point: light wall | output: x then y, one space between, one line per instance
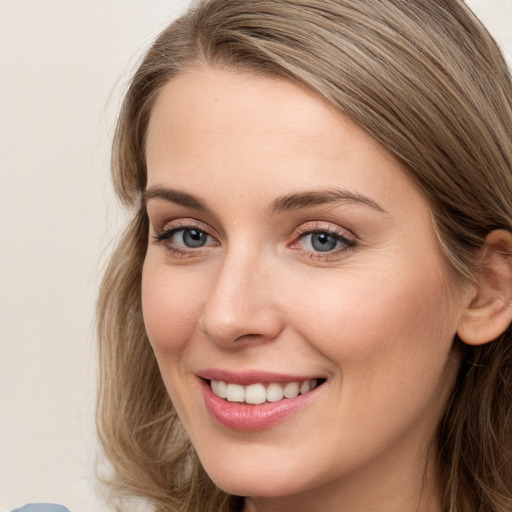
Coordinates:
63 67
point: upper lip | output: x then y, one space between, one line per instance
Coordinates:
251 376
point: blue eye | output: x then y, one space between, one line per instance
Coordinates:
191 237
324 241
180 239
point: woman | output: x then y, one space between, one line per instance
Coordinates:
310 309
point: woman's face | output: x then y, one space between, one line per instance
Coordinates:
288 249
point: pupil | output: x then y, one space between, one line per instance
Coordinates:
323 242
194 238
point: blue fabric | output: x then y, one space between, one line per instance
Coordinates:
41 507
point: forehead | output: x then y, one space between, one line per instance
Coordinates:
245 106
248 132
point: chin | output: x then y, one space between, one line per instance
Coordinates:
263 486
257 479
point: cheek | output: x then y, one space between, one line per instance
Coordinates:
373 324
171 302
387 342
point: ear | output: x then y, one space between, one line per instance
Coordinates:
489 312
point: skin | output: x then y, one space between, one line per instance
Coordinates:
376 317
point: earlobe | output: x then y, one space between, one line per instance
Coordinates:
489 311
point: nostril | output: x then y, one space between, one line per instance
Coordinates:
250 337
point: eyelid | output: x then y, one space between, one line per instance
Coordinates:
169 233
184 223
165 234
321 226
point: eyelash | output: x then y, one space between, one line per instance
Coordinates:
165 235
340 236
347 241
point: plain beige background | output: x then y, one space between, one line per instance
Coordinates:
64 65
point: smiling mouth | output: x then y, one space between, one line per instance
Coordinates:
259 393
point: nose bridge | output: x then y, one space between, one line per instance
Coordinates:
239 305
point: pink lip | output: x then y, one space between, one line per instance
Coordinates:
247 418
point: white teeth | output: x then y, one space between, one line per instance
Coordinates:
220 388
235 393
291 389
255 394
274 392
260 393
304 387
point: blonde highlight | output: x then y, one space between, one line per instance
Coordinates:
426 80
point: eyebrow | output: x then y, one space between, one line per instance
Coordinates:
317 197
173 196
294 201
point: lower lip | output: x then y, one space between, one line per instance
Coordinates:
246 418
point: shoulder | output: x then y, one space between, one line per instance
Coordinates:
41 507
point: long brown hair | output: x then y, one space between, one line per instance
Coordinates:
426 80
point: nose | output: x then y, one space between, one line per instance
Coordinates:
242 304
